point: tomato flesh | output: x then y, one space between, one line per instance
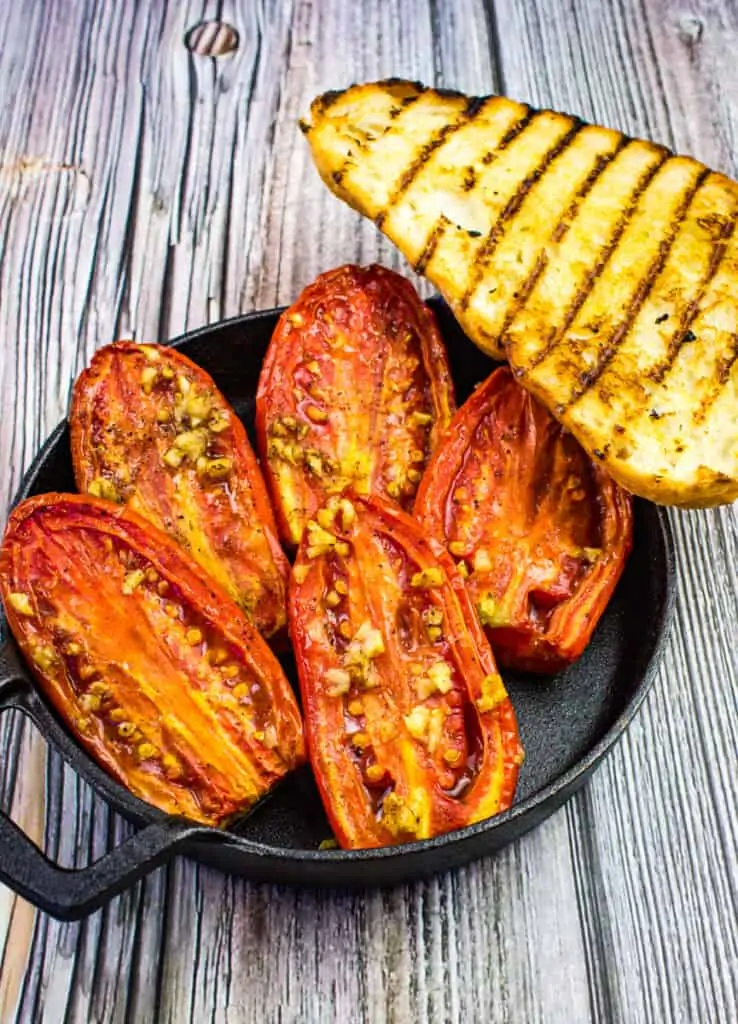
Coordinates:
410 730
355 391
160 676
540 532
149 428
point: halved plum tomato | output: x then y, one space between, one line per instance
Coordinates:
355 391
160 677
150 428
541 533
410 730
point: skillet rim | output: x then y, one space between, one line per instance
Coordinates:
520 817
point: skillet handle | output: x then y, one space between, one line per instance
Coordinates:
13 676
70 894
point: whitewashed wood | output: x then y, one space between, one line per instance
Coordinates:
145 192
654 837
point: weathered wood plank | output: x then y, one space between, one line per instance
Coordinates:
654 837
144 192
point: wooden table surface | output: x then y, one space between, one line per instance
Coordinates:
145 191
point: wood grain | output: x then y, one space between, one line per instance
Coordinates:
145 191
660 860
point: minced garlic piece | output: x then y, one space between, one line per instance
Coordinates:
493 692
132 580
20 603
426 725
440 675
481 560
214 469
490 613
416 722
149 377
196 407
319 540
435 729
326 517
219 422
428 578
339 681
437 680
192 443
103 488
398 816
369 640
314 463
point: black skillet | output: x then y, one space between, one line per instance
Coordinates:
568 723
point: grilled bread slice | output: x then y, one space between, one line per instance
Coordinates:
604 268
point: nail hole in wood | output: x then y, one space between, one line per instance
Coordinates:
212 39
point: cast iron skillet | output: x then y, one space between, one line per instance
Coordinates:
568 723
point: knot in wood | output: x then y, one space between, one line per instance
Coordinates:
690 29
212 39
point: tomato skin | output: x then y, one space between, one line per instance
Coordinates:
158 673
355 391
541 531
150 428
409 728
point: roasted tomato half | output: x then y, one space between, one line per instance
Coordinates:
540 531
410 730
150 428
355 391
161 678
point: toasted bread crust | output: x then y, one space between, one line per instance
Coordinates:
604 268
